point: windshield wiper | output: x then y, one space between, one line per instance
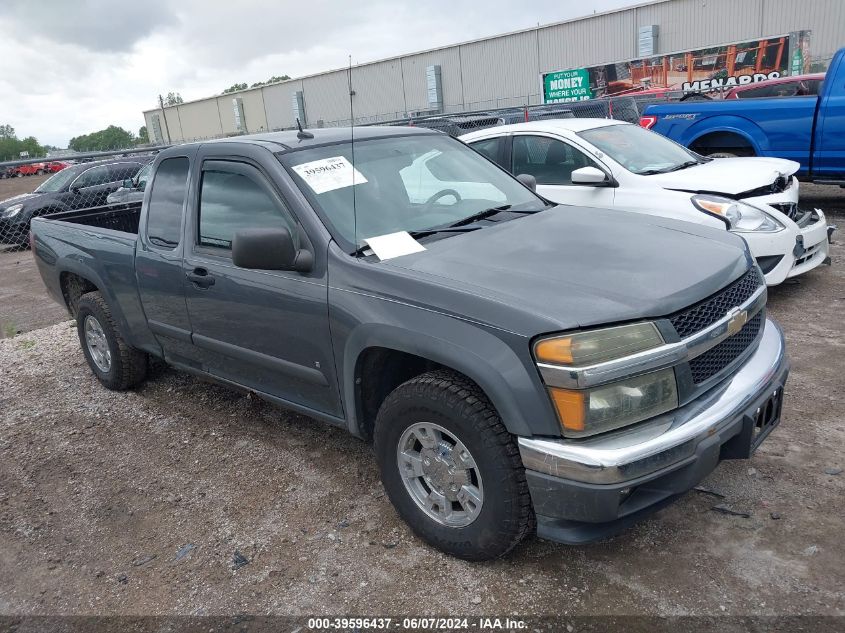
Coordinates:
684 165
487 213
688 163
481 215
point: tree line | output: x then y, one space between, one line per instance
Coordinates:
257 84
11 146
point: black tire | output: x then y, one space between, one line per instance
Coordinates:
40 172
128 366
723 155
459 406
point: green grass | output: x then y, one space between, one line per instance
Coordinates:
9 329
26 344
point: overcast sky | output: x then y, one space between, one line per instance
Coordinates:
74 67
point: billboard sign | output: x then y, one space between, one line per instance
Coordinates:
698 70
566 85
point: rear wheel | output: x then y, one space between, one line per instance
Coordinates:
450 467
115 364
39 172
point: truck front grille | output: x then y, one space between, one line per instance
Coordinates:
717 358
705 313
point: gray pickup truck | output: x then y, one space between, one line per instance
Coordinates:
520 367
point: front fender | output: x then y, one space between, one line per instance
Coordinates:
488 357
740 126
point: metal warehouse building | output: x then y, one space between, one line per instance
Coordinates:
650 44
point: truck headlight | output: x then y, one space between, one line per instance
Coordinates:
11 212
583 412
743 217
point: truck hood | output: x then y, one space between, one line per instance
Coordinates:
571 267
730 176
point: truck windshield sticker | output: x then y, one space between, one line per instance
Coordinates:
394 245
329 174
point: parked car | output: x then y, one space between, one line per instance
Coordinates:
34 169
76 187
808 130
56 165
510 359
791 86
613 164
131 189
7 172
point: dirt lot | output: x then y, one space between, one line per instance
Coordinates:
141 502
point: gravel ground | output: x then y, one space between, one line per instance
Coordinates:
185 498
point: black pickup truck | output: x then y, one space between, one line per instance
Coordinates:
519 366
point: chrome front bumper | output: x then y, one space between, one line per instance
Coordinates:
658 444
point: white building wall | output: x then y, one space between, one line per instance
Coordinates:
278 101
501 72
413 71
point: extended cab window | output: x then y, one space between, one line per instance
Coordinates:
550 161
235 197
164 216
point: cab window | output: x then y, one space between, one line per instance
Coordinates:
234 197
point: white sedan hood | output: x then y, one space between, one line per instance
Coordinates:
729 176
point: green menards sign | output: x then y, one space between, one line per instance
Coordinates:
566 85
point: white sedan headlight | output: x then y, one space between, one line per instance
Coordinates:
742 217
11 212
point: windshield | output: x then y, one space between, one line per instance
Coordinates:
58 181
639 150
408 183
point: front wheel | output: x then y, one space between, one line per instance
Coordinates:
451 468
115 364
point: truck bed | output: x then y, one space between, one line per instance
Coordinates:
124 218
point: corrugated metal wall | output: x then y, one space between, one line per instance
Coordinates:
506 70
278 102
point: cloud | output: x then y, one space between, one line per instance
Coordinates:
84 65
97 25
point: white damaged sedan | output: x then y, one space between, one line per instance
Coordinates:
613 164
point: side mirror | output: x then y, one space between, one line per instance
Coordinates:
269 249
128 183
528 180
588 176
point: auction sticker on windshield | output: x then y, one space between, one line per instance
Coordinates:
328 174
394 245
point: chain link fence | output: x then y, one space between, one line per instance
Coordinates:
626 108
98 181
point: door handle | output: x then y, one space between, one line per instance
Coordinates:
200 278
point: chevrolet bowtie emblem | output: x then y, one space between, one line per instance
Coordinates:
736 319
